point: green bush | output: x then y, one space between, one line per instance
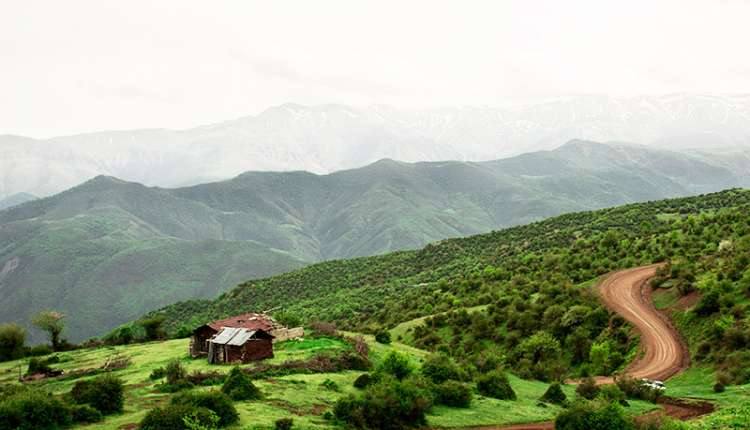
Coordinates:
32 409
12 339
554 394
440 368
38 365
453 393
593 416
388 404
611 393
397 365
173 417
283 424
215 401
157 373
636 389
85 414
104 393
329 384
239 386
587 388
362 381
495 384
383 336
175 372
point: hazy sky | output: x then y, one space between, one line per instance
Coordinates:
72 66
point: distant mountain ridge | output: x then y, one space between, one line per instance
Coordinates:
15 200
109 250
328 138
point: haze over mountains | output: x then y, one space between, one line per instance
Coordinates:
109 250
327 138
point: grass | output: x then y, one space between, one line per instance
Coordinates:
733 405
403 332
664 298
303 398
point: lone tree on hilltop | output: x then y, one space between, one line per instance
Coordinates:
51 322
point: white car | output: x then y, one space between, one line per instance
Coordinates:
654 385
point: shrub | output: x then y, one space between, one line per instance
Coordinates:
173 417
587 388
12 339
396 365
383 336
440 368
495 384
174 372
719 387
37 365
593 416
104 393
85 414
611 393
362 381
330 385
554 394
32 409
453 393
635 389
215 401
388 404
157 373
239 386
153 327
283 424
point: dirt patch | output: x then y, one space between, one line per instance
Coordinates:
688 301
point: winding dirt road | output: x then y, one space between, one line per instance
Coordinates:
662 352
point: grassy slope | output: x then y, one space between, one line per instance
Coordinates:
299 396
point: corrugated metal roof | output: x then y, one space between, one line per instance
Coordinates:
233 336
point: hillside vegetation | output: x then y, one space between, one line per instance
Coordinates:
541 316
108 250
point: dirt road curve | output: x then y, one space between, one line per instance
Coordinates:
663 353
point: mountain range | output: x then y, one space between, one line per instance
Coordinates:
109 250
328 138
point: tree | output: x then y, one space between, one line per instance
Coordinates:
12 338
383 336
153 327
51 322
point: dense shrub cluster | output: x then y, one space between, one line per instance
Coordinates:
495 384
389 404
239 386
104 393
593 416
554 394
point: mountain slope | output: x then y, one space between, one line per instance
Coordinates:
528 286
15 200
329 138
108 250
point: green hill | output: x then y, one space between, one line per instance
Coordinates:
108 250
534 280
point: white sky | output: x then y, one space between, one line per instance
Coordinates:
72 66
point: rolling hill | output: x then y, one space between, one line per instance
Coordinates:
109 250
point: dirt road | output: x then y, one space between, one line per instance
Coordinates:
662 354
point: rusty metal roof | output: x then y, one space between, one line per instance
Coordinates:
252 321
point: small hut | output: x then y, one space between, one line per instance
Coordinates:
232 345
200 341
